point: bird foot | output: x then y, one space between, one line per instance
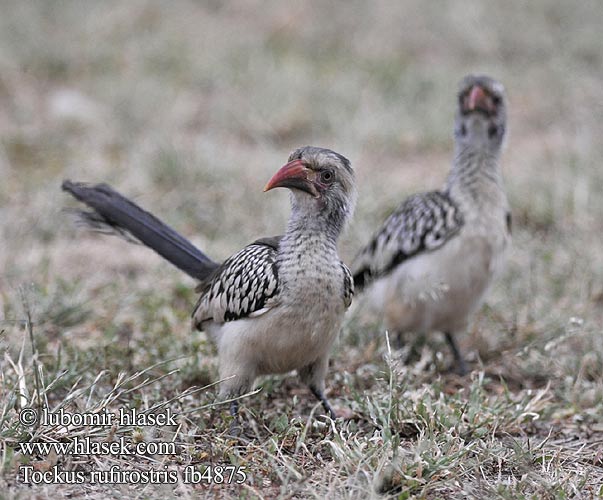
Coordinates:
344 413
235 429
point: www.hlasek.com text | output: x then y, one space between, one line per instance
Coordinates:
86 446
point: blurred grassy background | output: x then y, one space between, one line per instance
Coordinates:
190 106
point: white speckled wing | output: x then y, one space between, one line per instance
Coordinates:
245 285
423 222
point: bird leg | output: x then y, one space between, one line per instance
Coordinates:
314 376
235 426
397 340
461 366
234 408
323 399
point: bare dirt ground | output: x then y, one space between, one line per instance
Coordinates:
189 107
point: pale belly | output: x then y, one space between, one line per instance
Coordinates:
440 290
279 341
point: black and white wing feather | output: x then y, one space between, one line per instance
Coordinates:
348 285
245 285
423 222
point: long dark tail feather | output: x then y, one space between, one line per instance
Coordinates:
114 213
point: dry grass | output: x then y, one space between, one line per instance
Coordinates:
189 107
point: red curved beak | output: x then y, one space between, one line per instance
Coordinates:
293 175
479 99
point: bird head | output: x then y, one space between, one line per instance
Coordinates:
481 114
321 181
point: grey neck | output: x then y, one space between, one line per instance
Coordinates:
321 228
472 169
306 253
313 217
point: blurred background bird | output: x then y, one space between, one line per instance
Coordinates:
430 264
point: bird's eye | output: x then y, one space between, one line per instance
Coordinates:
495 100
327 176
463 130
492 130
